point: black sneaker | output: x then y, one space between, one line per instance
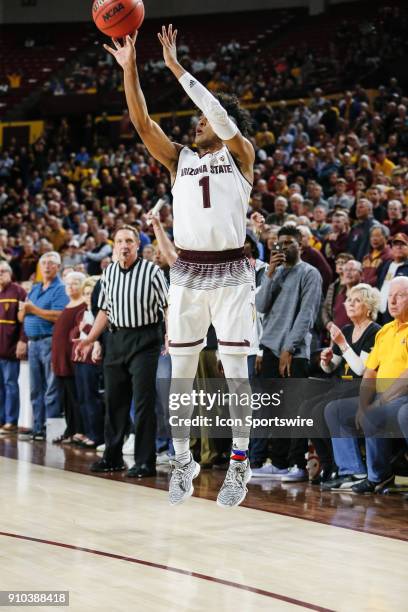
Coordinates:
38 436
366 487
327 474
343 483
104 466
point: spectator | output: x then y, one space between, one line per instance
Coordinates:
379 210
381 398
313 257
56 233
337 240
101 250
383 165
388 270
320 228
379 253
88 373
359 237
395 222
280 215
72 256
149 252
286 339
62 365
25 264
46 301
340 199
352 271
13 348
345 359
327 312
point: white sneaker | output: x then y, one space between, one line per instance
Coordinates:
296 474
101 448
269 471
234 489
129 446
163 458
181 481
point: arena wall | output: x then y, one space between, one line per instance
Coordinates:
51 11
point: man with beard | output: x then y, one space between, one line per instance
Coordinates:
289 299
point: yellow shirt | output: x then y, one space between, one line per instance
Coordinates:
390 353
386 167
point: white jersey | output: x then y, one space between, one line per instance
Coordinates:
210 202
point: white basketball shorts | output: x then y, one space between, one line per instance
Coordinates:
219 293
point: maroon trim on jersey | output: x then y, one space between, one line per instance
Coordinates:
184 344
244 343
239 169
212 257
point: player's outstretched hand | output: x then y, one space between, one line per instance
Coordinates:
124 54
168 40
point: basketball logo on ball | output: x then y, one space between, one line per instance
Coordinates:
118 18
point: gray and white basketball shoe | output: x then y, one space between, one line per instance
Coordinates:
181 481
234 489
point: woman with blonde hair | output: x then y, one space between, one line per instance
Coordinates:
345 361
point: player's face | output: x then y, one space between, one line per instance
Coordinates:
205 135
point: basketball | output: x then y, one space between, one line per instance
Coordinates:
118 18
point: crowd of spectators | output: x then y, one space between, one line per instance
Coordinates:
357 49
335 170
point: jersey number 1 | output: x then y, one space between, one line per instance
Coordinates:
205 184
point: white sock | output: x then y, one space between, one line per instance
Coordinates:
182 450
183 367
236 373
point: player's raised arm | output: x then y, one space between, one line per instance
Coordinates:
223 126
158 144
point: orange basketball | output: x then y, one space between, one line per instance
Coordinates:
118 18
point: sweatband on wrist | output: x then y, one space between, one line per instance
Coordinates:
217 116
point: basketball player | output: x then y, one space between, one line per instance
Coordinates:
211 280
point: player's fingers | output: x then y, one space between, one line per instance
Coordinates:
164 36
134 37
116 43
175 36
109 49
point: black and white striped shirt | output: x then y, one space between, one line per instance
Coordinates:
135 296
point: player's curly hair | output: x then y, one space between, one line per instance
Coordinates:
241 115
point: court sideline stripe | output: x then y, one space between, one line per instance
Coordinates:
176 570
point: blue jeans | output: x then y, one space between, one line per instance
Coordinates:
340 416
43 384
163 381
251 366
9 391
90 404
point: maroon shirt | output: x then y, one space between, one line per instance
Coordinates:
11 331
316 259
397 226
340 317
371 265
75 333
61 347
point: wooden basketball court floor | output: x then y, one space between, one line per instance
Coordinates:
117 546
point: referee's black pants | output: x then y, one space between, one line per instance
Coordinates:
130 367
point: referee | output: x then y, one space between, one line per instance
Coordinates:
132 301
